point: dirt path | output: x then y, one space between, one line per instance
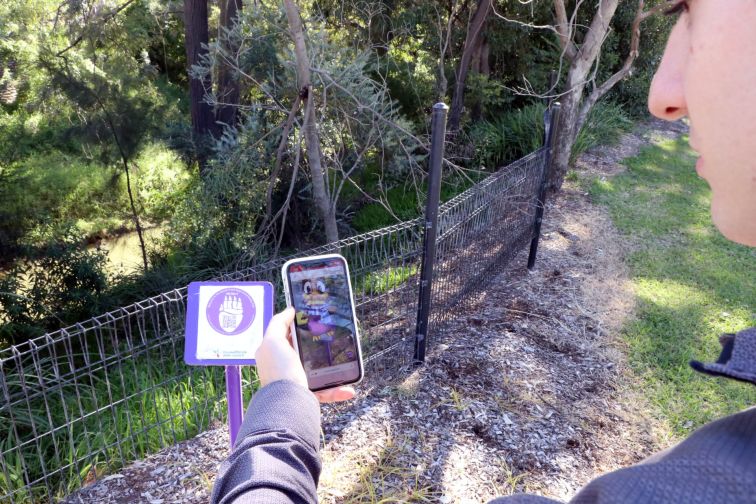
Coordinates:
527 392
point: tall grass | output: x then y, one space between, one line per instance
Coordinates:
119 410
605 125
404 203
514 134
385 280
508 137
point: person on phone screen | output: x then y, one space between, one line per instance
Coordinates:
708 73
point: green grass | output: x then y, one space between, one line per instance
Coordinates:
691 283
386 280
156 402
606 124
404 203
55 186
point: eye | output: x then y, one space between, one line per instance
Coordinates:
678 8
307 287
322 287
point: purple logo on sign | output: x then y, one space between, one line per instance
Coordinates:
231 311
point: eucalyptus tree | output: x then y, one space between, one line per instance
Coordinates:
582 35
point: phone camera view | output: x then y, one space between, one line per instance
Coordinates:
324 324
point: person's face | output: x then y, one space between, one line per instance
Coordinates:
708 73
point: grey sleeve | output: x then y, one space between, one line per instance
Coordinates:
276 454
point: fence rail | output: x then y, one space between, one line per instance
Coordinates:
83 401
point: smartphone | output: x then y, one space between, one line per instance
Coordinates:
325 325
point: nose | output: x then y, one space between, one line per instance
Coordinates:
666 98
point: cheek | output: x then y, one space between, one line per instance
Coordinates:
721 74
721 99
722 110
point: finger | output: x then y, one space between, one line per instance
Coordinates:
290 337
280 324
335 395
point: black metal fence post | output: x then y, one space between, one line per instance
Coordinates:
438 134
551 122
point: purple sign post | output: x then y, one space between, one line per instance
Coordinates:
234 396
225 323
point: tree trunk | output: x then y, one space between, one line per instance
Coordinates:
228 84
582 60
485 58
310 130
471 42
481 67
203 120
565 139
380 28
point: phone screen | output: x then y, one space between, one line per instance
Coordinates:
324 322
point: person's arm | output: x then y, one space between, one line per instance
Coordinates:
276 454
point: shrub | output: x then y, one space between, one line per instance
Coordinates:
59 283
162 180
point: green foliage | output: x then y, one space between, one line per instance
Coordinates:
401 200
692 284
572 176
515 134
58 284
58 188
484 93
161 179
55 190
605 125
404 204
410 77
359 126
509 136
381 282
87 98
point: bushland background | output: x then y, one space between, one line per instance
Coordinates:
145 143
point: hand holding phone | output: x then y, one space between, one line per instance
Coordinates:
277 359
324 328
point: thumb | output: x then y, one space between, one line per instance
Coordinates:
280 324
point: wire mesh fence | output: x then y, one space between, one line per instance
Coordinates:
480 231
85 400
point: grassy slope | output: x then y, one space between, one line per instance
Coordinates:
57 188
691 283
